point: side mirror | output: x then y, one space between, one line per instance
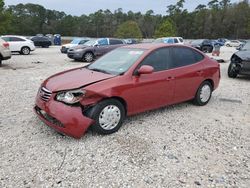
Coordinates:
145 69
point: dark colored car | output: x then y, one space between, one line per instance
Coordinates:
222 41
126 81
240 62
41 41
203 45
94 48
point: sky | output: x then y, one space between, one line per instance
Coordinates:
79 7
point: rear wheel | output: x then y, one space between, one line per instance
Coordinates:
207 49
203 94
108 115
88 57
25 50
232 72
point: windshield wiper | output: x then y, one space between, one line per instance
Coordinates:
99 70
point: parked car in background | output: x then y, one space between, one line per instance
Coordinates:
19 44
41 41
94 48
240 62
5 52
131 41
124 82
216 42
169 40
74 42
233 43
204 45
222 41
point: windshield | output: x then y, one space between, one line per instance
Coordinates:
246 46
90 43
117 61
75 41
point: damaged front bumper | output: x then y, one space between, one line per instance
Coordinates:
65 119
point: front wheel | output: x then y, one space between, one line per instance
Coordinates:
231 72
203 94
25 51
108 115
88 57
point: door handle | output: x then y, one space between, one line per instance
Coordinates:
170 78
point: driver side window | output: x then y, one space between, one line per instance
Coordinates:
158 59
103 42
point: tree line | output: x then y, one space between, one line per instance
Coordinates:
218 18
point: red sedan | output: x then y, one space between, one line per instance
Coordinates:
126 81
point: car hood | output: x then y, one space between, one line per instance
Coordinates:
244 55
74 79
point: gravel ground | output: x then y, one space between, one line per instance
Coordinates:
177 146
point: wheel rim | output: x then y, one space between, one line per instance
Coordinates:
26 51
89 57
205 93
109 117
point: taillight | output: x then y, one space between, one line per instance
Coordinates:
6 44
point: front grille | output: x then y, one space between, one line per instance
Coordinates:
45 94
48 117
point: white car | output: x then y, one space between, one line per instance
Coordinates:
5 52
19 44
75 42
233 43
169 40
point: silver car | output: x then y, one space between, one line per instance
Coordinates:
5 52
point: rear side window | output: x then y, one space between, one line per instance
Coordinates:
115 41
7 39
185 56
16 39
159 59
176 41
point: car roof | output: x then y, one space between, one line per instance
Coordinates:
150 46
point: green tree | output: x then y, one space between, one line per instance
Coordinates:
128 29
166 29
5 19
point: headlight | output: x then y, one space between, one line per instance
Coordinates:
70 97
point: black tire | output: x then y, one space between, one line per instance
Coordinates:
231 72
200 99
97 113
228 45
207 49
0 61
88 57
25 50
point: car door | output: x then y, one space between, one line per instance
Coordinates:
188 72
153 90
101 46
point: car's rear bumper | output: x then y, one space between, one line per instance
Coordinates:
65 119
5 54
